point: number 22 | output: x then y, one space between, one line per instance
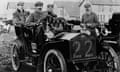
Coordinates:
78 48
87 54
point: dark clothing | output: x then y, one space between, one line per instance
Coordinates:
52 20
90 18
35 17
52 14
20 18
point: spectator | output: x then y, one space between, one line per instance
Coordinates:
89 16
19 18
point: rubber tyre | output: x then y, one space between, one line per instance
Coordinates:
60 58
16 67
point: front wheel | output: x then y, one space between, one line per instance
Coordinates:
109 61
54 62
16 64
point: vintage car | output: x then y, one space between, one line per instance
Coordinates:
66 51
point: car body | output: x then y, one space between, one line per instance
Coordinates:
69 52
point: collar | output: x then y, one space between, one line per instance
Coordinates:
38 12
20 11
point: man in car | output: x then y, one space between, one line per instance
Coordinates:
38 13
19 18
34 19
50 10
90 19
89 16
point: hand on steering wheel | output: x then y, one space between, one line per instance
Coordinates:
31 25
91 25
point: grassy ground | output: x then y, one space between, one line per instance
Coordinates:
5 48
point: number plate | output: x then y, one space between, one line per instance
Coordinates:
83 47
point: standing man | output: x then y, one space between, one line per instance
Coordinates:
19 18
89 17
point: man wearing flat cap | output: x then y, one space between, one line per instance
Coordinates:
19 18
35 18
89 16
38 13
50 12
50 8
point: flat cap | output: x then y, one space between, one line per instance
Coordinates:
37 4
20 4
50 5
87 5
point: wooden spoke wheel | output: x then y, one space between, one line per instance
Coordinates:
108 61
16 64
54 62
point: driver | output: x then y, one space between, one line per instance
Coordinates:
50 8
37 31
38 13
35 17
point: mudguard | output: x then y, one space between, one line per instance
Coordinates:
115 56
19 45
61 45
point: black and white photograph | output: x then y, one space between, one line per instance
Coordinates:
60 36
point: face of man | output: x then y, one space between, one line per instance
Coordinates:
20 7
88 10
50 9
39 8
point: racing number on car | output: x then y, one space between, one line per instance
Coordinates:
87 45
77 46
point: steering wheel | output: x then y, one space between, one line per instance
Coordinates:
91 25
59 23
49 19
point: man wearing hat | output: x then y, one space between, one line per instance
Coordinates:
35 18
50 8
50 12
38 13
89 16
90 19
19 18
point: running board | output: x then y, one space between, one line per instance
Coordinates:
84 60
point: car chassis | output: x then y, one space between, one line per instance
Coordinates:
69 52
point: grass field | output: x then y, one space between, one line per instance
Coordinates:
5 48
